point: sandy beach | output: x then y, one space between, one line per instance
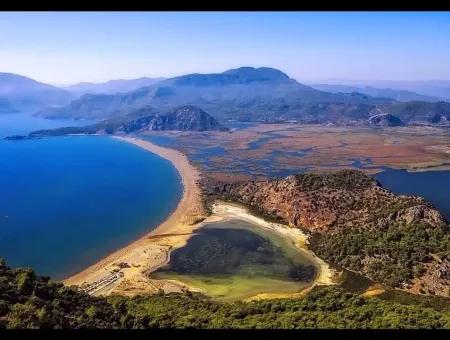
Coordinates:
151 251
126 271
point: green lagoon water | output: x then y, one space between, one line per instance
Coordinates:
234 260
66 202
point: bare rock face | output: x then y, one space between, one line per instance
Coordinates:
420 213
329 203
385 119
435 279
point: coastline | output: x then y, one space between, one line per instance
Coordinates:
126 270
151 251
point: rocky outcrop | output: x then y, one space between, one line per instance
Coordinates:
183 118
439 119
328 203
419 213
357 224
385 119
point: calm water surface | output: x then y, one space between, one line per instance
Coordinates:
66 202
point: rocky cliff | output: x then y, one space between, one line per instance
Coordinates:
401 241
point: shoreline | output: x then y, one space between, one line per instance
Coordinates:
127 270
147 253
224 210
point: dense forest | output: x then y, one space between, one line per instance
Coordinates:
398 250
31 301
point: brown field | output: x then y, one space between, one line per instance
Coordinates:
324 148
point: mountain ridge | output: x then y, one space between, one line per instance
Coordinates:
253 94
245 93
111 86
26 94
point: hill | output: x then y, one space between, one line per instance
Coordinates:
182 118
25 94
400 241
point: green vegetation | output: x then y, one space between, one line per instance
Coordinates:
344 180
30 301
358 225
396 253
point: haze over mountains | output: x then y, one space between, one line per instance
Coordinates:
433 88
255 94
111 86
19 93
262 94
399 95
245 94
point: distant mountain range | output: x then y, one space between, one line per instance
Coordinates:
110 87
19 93
244 94
434 88
6 106
399 95
259 94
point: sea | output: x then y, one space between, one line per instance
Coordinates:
67 202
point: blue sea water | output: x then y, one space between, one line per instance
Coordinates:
66 202
434 186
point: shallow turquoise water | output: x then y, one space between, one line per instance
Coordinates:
66 202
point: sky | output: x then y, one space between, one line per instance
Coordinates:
68 47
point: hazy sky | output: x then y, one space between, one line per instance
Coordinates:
62 48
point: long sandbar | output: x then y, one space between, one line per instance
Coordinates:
151 251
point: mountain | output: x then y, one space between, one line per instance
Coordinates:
399 95
25 94
110 87
433 88
416 112
255 94
6 106
182 118
400 241
249 94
